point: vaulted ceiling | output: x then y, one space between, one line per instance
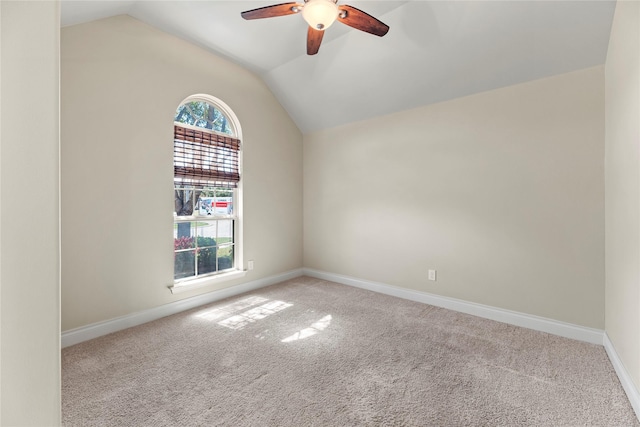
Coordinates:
434 51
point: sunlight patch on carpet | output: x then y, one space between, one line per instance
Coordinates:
316 327
241 320
229 309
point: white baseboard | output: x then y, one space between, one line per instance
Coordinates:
84 333
555 327
627 383
95 330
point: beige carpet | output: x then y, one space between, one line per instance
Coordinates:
313 353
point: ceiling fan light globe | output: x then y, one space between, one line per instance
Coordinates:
320 14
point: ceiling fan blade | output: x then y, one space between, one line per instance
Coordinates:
314 38
272 11
362 21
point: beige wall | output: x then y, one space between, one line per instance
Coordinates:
622 177
121 83
501 192
30 256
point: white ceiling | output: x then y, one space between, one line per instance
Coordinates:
434 51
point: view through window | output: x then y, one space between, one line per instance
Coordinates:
206 175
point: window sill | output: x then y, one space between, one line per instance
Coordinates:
189 285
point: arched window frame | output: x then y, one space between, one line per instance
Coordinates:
199 280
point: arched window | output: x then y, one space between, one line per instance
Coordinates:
207 173
200 113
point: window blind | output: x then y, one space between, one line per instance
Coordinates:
203 158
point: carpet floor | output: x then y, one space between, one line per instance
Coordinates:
308 352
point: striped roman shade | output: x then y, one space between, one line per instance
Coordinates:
203 158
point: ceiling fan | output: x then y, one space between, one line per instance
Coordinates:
320 14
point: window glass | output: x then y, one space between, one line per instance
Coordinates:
203 115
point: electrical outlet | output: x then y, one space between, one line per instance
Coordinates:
432 275
250 265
